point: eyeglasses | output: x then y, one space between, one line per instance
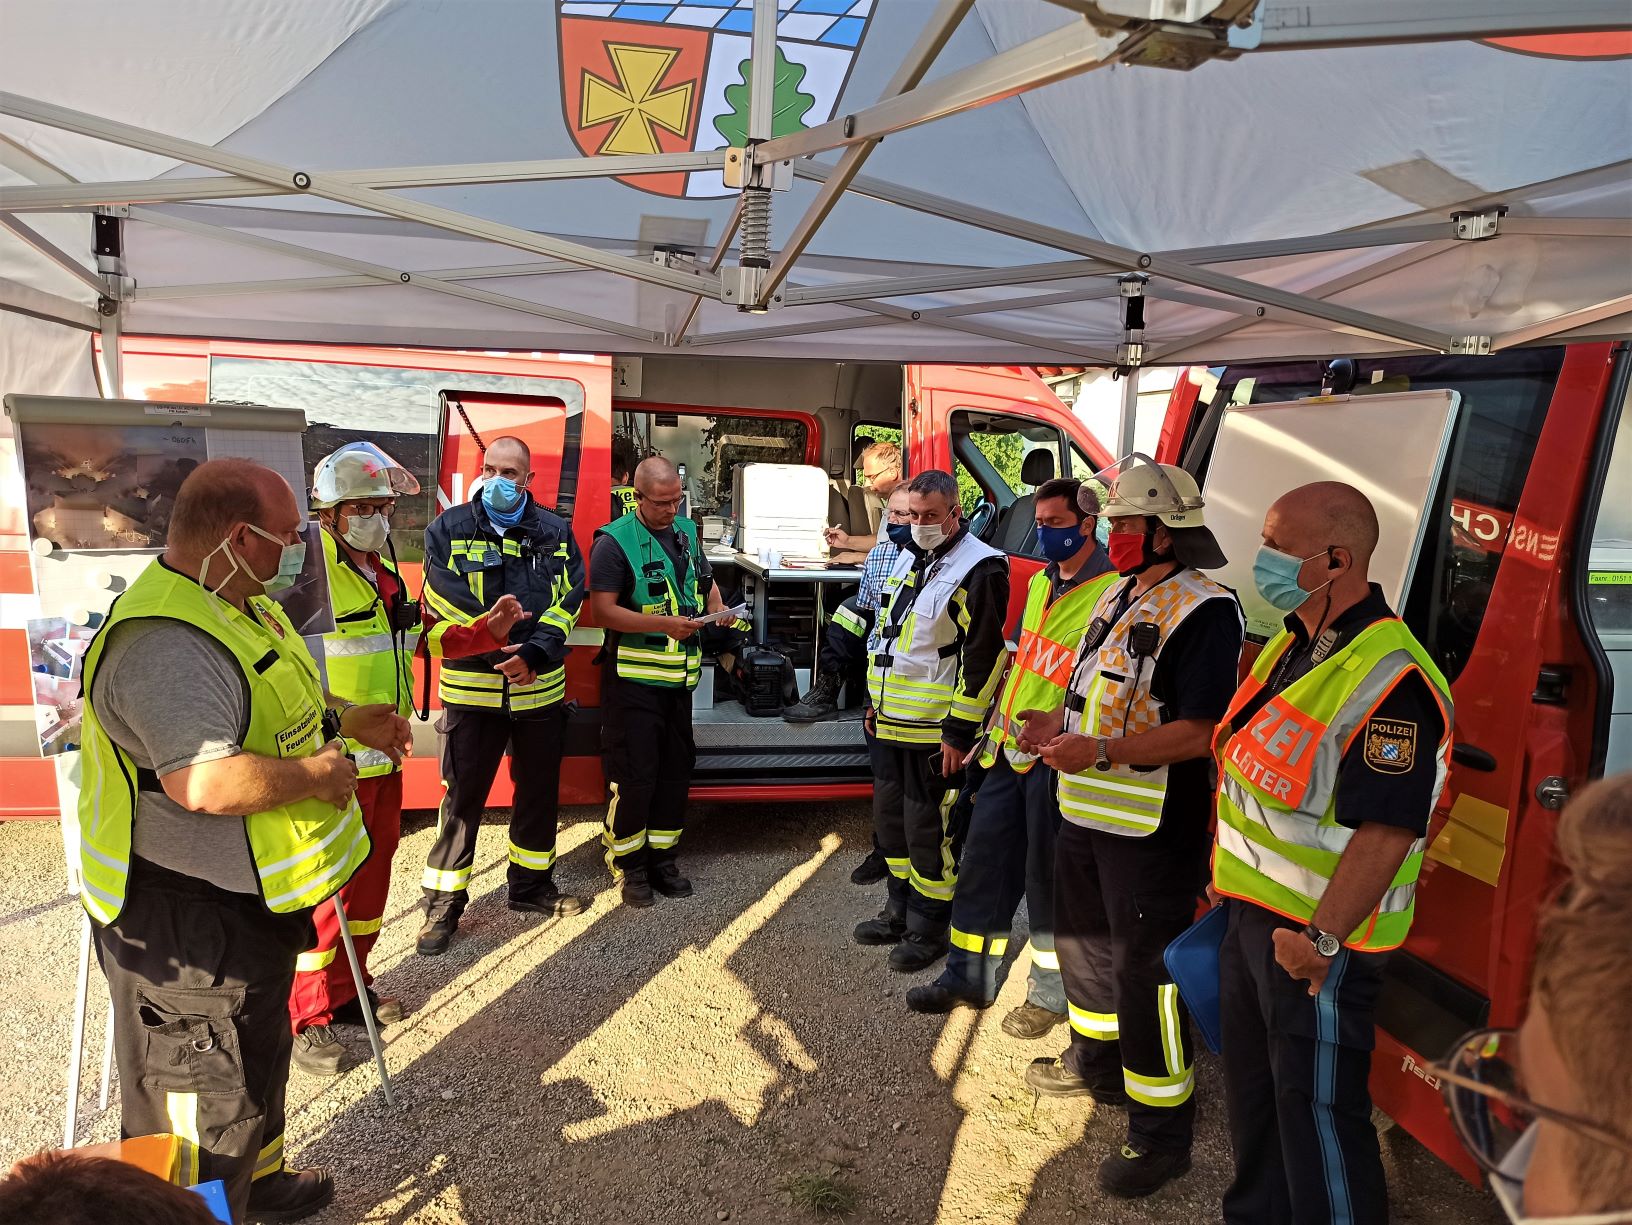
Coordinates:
659 504
363 509
1479 1081
899 516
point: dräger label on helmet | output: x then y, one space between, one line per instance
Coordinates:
294 737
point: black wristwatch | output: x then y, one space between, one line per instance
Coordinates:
1102 758
1326 944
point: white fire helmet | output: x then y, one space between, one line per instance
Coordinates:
357 471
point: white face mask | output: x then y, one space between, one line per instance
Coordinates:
930 536
1508 1187
290 562
366 533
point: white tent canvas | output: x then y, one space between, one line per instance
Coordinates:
415 172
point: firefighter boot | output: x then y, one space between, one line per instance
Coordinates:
665 878
917 951
289 1195
822 702
545 899
870 870
888 928
435 935
317 1052
933 997
1029 1021
637 888
1049 1077
1136 1169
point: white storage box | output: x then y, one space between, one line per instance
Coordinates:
781 507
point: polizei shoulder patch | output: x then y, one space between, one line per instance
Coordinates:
1391 745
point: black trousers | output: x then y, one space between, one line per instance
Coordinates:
914 823
199 978
1118 903
1295 1082
473 742
1009 855
647 754
843 650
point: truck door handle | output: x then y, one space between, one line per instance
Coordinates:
1472 757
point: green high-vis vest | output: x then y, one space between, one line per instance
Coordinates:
659 590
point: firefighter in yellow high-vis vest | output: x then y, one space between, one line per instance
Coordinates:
1330 759
1131 746
216 811
1009 852
367 658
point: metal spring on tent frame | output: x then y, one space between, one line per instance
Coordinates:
756 228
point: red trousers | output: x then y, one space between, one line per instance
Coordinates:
322 974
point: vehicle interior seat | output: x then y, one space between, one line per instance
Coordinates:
1018 531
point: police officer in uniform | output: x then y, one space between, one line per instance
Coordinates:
368 659
216 812
501 543
648 581
1131 746
1331 758
1009 853
937 656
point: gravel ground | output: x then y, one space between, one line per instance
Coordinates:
674 1065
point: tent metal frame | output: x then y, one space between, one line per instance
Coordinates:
907 101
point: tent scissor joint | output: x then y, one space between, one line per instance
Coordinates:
1477 226
1475 346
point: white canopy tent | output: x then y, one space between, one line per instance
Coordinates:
1329 176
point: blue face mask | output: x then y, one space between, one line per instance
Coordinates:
504 500
1059 543
900 534
1275 574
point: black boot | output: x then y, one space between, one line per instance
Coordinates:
822 702
545 898
387 1009
435 935
289 1195
317 1052
870 870
886 929
637 888
1136 1169
932 997
666 879
917 952
1051 1078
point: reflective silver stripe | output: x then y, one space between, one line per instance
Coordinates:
108 861
1308 884
318 883
306 853
369 758
335 645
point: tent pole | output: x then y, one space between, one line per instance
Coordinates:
1562 323
1130 412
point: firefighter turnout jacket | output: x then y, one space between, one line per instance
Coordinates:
469 563
366 658
1279 838
303 851
1050 630
936 651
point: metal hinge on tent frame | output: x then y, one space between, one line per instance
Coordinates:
1476 346
1474 227
1130 354
743 284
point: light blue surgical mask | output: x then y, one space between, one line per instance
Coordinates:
1275 574
1102 531
504 500
1508 1187
290 563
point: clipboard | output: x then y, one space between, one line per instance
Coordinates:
1192 960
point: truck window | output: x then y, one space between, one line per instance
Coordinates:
709 446
1504 402
1004 459
866 432
1609 588
397 408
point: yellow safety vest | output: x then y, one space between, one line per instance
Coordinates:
364 660
1110 697
1279 839
303 851
623 500
1049 635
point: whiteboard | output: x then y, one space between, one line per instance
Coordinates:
1391 447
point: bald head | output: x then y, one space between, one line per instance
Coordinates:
653 471
1326 514
220 494
657 492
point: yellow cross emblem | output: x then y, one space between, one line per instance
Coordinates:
636 100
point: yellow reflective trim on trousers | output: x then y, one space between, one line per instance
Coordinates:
899 868
269 1160
624 846
1159 1091
1099 1025
363 927
1167 1011
182 1111
938 890
968 943
313 960
662 839
445 881
1045 959
540 861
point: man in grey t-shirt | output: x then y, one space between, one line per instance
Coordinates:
198 967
